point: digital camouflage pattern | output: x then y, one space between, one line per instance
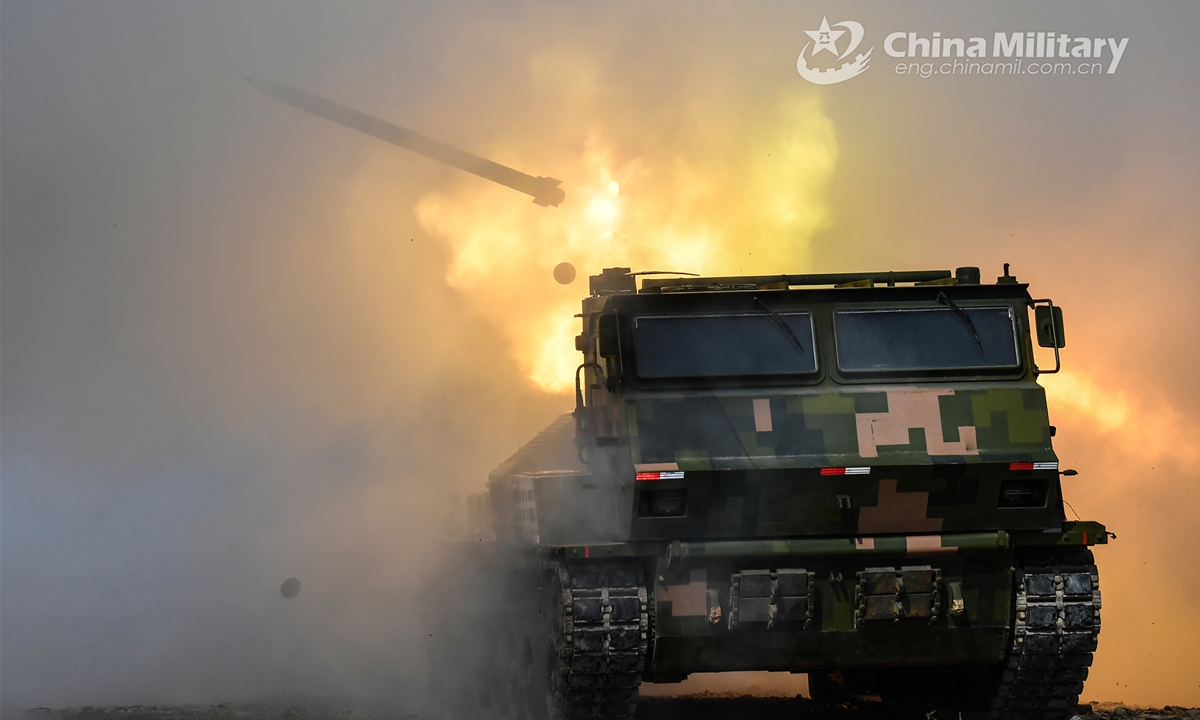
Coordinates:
890 425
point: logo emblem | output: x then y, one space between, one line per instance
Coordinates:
825 39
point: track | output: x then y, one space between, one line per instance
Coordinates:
1054 634
601 638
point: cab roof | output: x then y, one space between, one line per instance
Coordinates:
622 280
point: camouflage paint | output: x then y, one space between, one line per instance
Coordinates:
853 427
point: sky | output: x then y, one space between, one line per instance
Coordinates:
239 343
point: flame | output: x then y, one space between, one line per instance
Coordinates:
1108 410
736 191
1148 429
602 211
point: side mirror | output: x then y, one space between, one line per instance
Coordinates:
1049 322
610 345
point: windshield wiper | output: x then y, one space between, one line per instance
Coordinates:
962 315
779 323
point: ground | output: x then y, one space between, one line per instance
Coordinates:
723 706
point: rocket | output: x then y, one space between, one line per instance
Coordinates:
545 190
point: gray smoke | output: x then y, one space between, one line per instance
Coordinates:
204 391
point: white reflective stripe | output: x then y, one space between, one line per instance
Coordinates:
858 471
671 475
1045 466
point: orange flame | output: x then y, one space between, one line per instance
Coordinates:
736 192
1148 430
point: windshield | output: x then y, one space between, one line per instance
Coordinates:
925 339
684 346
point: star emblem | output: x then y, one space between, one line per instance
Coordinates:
825 38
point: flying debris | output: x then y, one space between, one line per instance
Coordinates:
564 273
545 190
290 588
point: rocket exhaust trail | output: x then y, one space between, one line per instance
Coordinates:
545 190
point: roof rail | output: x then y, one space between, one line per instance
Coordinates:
783 281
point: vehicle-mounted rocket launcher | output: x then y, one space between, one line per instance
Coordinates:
545 190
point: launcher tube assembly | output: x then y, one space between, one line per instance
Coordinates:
545 190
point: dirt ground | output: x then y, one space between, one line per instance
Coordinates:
707 706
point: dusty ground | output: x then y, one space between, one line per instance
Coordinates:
692 707
733 707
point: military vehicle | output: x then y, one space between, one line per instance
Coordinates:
846 475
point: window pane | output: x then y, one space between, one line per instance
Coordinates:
723 345
934 339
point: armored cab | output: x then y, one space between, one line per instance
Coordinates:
850 476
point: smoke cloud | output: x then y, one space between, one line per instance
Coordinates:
241 344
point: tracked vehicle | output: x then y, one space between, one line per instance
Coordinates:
847 475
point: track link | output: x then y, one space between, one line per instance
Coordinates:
601 640
1057 621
